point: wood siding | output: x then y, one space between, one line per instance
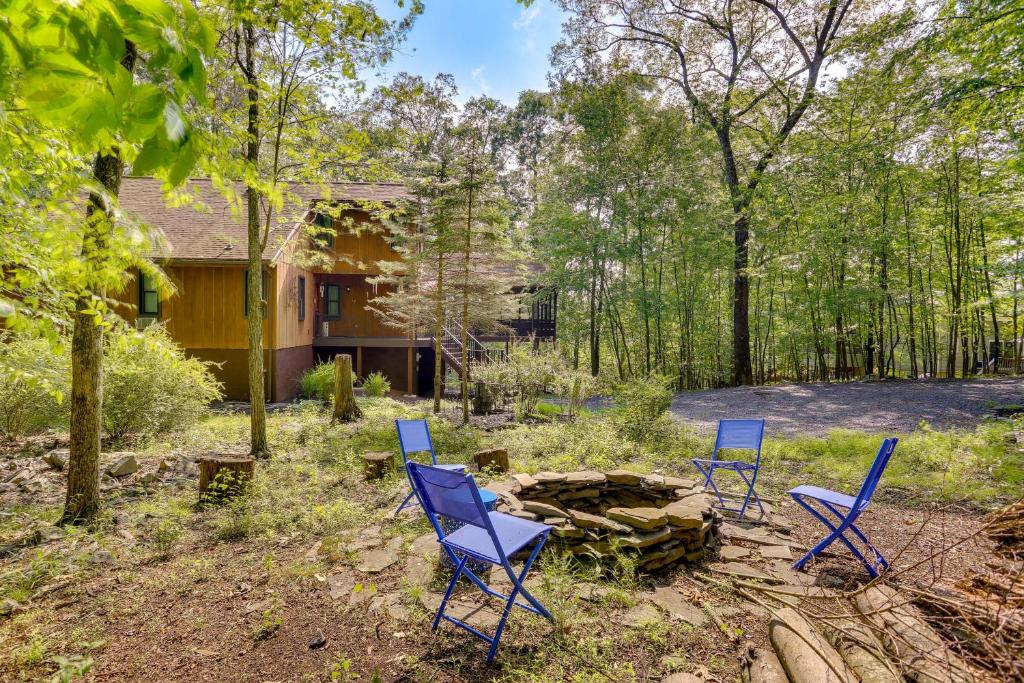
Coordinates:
207 309
361 241
355 320
289 330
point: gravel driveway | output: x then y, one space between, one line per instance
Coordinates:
874 407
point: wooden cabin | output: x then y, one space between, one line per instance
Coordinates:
314 309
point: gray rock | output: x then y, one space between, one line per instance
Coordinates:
733 552
102 556
672 602
125 465
640 615
57 458
149 479
777 552
10 606
543 509
19 477
639 518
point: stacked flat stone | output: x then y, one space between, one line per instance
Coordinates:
661 520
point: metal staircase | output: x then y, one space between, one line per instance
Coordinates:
451 347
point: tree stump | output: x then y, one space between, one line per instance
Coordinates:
224 476
378 465
494 458
345 408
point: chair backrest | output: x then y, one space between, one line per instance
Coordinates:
867 489
739 434
449 493
414 437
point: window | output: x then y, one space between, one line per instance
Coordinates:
302 298
332 302
245 292
149 297
323 220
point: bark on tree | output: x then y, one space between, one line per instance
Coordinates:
345 408
83 493
438 332
254 300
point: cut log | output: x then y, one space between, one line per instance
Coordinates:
378 465
493 458
763 666
863 652
919 649
224 476
805 654
345 408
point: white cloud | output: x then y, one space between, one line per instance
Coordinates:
526 17
479 79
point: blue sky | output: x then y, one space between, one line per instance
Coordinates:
492 47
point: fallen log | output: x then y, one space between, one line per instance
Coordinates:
862 651
919 649
805 654
763 666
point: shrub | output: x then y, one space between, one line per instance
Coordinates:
34 380
150 385
376 384
641 404
574 387
318 382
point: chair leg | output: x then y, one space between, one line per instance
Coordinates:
750 492
517 587
709 481
406 502
448 593
837 532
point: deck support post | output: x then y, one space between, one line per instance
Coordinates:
409 362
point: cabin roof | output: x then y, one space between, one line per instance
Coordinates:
212 228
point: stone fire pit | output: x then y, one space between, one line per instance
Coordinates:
662 520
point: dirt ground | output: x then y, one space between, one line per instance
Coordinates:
875 407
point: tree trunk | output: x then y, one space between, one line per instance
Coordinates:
83 493
742 372
438 332
345 408
468 247
254 300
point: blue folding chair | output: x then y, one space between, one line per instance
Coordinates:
735 434
836 503
414 437
487 537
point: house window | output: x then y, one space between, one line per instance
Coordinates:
302 298
323 220
245 294
332 302
149 297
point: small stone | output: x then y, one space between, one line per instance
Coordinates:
149 479
549 477
317 641
585 520
646 540
624 477
733 552
525 481
680 677
683 515
124 466
640 615
102 557
742 570
672 602
523 514
57 458
584 478
679 483
543 509
165 466
340 585
639 518
377 561
776 552
9 606
567 531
